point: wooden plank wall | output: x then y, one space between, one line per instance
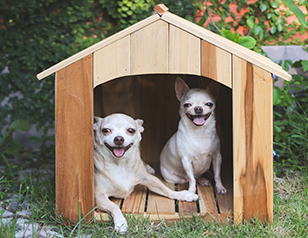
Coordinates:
74 139
184 52
252 138
148 53
112 61
171 51
216 63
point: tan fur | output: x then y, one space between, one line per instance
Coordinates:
191 150
117 174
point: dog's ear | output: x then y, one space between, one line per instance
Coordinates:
139 123
180 88
97 123
213 88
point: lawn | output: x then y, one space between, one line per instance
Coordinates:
290 215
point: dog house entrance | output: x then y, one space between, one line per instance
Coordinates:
152 98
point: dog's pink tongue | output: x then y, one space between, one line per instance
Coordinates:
199 121
118 152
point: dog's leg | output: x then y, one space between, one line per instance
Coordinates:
187 165
171 177
203 181
221 190
104 204
157 186
149 168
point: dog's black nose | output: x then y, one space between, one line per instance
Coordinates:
198 109
118 140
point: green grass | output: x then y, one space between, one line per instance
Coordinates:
290 216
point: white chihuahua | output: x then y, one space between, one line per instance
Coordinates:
119 168
190 151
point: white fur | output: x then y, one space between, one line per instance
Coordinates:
117 176
191 150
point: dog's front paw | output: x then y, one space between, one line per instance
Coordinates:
120 225
187 196
221 190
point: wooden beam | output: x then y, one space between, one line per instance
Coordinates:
184 52
161 9
74 139
252 141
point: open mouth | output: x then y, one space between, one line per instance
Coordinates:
199 120
118 151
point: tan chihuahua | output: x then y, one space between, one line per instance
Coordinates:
190 151
119 168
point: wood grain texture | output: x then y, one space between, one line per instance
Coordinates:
224 124
152 103
225 202
74 139
118 96
170 116
207 201
112 61
117 201
161 8
252 138
184 52
158 204
216 63
186 208
135 203
149 49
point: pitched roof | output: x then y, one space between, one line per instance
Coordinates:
187 26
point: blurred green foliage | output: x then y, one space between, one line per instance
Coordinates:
263 20
291 122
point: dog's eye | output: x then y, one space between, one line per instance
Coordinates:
187 105
106 130
209 104
131 131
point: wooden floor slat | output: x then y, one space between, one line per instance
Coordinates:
186 208
159 207
207 201
225 202
135 203
117 201
158 204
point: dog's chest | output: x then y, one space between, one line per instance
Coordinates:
201 161
118 182
201 153
201 148
124 181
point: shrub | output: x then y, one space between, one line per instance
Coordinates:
291 123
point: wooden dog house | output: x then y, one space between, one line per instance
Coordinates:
133 72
